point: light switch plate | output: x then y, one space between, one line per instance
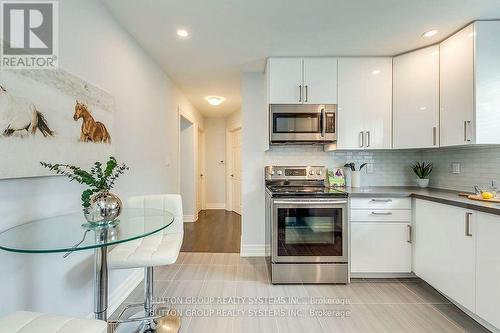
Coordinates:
455 168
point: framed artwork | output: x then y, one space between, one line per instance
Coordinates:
51 116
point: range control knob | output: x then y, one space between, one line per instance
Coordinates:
280 172
272 172
311 172
319 173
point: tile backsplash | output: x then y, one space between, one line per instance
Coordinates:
478 165
390 168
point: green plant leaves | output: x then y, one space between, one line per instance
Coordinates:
422 169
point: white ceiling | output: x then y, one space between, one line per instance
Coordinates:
231 36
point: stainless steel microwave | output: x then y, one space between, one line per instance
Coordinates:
303 123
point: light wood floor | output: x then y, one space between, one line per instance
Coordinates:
216 230
388 305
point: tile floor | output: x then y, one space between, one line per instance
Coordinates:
219 283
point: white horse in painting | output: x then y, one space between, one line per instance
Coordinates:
19 116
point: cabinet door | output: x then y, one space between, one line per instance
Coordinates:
416 99
488 268
387 251
285 81
457 88
365 103
444 253
320 80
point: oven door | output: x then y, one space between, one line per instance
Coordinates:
312 230
302 123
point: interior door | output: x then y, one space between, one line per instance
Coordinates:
236 171
200 193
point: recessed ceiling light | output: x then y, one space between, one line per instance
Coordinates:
429 33
215 100
376 72
182 33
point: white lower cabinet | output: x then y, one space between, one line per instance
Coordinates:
488 267
380 236
380 247
445 250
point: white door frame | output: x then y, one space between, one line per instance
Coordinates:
192 120
200 152
229 159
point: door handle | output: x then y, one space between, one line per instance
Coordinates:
368 139
307 93
323 122
300 93
409 233
361 139
467 224
232 175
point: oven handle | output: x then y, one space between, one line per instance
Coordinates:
315 202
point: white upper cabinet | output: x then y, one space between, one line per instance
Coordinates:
457 88
416 99
302 80
364 103
284 80
470 77
320 80
488 268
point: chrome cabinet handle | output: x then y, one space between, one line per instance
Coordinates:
361 139
307 94
467 225
381 200
300 93
409 233
467 124
381 213
368 139
434 136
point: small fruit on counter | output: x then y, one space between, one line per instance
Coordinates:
487 195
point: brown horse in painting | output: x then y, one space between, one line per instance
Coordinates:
92 131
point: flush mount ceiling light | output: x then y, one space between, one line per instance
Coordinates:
429 33
215 100
376 72
182 33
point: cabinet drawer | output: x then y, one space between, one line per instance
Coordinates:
400 215
381 203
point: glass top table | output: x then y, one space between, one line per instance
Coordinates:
71 232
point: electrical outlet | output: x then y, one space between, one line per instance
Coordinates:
369 168
455 168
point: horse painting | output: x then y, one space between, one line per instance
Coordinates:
19 116
92 131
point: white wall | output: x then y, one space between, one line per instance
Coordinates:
188 164
94 47
390 167
215 170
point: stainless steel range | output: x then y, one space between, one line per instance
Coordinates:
306 226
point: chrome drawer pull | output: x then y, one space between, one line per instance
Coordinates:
381 213
409 233
381 200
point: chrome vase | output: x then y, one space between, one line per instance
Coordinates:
104 208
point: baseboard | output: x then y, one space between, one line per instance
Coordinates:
120 294
220 205
190 218
382 275
253 250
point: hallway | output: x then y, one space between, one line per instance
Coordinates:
216 230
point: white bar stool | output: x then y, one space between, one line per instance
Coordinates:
156 250
33 322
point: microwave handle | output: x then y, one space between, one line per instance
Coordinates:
323 122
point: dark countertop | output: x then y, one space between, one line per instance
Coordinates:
448 197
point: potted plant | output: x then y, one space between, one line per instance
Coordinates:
422 170
99 205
